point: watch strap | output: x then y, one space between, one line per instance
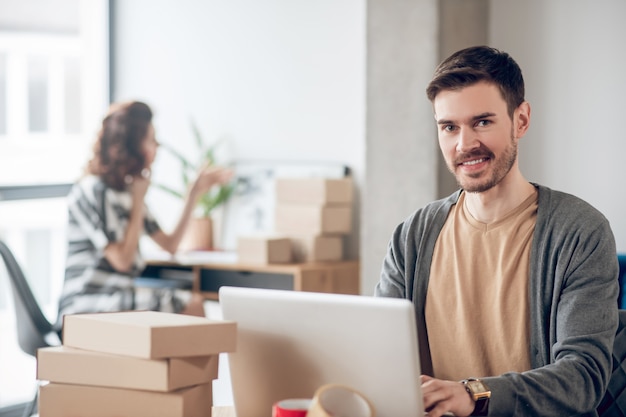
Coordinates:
481 406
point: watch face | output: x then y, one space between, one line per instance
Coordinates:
477 387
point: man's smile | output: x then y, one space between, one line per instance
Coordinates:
473 162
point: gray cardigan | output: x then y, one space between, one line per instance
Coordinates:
573 303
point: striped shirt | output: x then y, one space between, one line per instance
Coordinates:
99 215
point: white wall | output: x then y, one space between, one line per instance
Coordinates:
284 79
572 56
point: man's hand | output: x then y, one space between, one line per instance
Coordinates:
445 396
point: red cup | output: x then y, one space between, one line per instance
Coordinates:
292 407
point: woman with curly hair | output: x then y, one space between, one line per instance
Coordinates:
108 215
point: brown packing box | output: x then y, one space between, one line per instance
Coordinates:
264 249
84 367
66 400
301 219
149 334
317 248
314 190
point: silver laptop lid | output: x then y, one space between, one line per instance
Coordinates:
290 343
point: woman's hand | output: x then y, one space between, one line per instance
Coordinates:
139 188
209 176
121 254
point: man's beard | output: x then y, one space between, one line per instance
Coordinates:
501 167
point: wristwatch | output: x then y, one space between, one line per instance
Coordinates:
480 393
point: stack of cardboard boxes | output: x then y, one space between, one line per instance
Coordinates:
315 213
312 215
140 363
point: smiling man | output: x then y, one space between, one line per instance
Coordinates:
514 284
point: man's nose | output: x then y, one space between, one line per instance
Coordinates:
467 140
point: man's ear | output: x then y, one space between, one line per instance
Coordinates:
521 119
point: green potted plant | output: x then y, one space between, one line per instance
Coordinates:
199 235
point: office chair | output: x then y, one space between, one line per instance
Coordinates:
621 259
33 328
614 402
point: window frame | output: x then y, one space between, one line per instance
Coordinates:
96 32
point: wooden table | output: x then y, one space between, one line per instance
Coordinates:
207 276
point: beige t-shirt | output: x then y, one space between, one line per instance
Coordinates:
477 310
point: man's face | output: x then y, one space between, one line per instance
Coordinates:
476 135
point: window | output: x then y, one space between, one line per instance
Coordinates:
54 89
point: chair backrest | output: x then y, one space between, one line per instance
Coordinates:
614 402
33 328
621 259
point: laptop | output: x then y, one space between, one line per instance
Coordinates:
289 343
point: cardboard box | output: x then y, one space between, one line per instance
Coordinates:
66 400
84 367
264 249
149 334
299 219
319 191
317 248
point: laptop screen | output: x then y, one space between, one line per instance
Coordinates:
289 343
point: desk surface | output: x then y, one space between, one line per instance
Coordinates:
193 257
217 260
207 274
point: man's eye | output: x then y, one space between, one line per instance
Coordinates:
448 128
483 123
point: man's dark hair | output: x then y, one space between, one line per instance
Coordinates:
480 63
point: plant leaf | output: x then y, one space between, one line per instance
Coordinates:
181 158
217 195
169 190
197 135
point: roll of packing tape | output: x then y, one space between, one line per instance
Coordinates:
293 407
335 400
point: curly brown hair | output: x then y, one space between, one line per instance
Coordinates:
117 152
